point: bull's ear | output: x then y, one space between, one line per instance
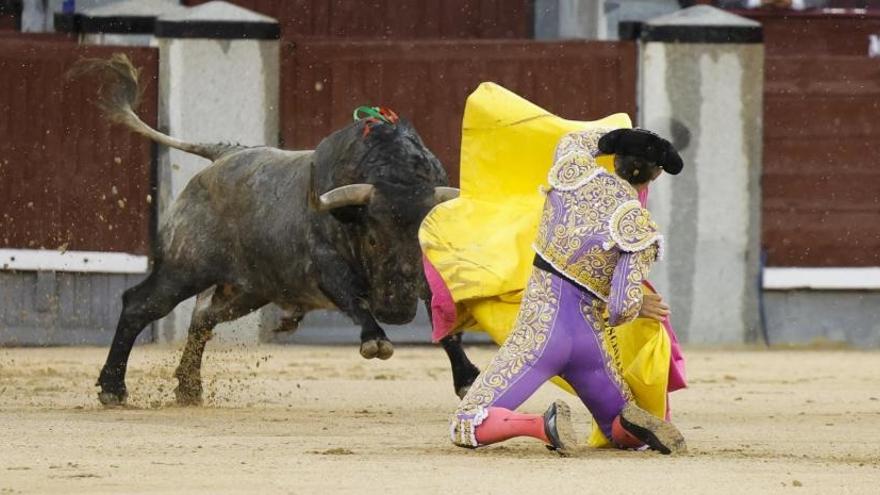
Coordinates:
443 193
350 195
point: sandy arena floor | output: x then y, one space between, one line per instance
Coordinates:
323 420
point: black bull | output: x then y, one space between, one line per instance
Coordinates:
336 227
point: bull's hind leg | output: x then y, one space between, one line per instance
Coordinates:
144 303
216 305
464 373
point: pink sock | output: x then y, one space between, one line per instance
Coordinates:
503 424
623 438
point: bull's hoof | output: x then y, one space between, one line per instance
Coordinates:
112 383
188 396
462 391
386 349
377 348
370 349
111 399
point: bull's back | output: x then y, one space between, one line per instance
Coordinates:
254 168
243 215
255 181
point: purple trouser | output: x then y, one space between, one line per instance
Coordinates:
559 331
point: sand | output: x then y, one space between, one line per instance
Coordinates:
323 420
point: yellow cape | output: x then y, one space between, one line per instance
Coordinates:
481 242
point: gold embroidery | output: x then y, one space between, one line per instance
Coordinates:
522 349
642 262
575 159
631 227
574 231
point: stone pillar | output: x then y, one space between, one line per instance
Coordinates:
701 83
218 81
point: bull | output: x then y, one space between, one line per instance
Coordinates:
336 227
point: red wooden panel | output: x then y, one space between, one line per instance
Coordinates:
830 155
851 75
68 178
397 19
8 22
428 82
61 37
854 4
830 191
821 204
843 116
818 238
788 33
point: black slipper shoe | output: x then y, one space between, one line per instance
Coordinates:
558 428
656 433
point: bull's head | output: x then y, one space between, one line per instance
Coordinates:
400 181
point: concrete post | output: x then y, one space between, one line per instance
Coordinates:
218 81
701 80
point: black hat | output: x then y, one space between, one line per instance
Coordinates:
643 144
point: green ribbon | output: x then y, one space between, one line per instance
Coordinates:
369 112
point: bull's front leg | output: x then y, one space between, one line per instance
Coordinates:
374 342
349 293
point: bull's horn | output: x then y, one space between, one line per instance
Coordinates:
350 195
443 193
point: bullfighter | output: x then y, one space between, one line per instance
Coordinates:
595 247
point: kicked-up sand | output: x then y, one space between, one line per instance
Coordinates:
303 420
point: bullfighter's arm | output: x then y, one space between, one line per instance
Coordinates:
626 285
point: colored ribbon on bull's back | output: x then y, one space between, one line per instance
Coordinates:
478 247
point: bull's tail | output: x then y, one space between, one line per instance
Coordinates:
119 94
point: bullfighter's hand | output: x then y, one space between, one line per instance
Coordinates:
653 307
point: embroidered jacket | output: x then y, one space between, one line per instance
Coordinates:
593 228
